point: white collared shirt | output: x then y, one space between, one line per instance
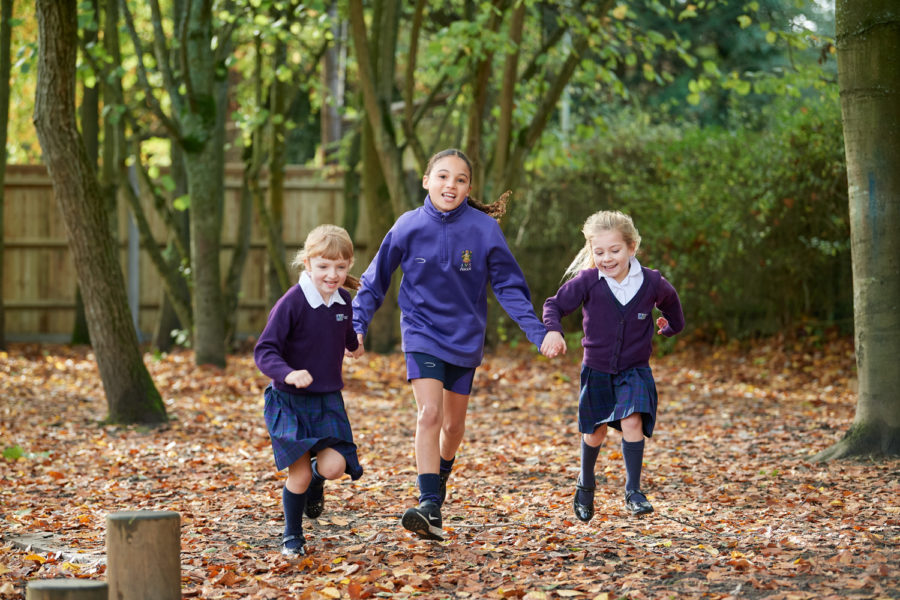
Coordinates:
626 290
312 294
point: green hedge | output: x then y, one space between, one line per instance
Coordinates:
751 226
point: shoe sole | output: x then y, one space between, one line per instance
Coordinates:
413 521
638 513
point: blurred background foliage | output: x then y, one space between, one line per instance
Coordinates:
714 123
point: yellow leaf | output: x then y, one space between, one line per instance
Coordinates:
620 11
3 569
535 596
338 560
72 567
36 558
602 596
568 593
331 592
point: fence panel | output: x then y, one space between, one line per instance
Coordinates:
39 276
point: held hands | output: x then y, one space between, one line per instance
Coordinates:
360 350
553 345
662 323
299 379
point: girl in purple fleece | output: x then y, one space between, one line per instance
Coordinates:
617 297
450 250
302 350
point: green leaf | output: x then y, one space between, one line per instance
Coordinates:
13 452
182 202
745 21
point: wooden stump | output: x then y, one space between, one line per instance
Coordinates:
143 555
66 589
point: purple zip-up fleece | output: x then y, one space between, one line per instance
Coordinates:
616 337
448 260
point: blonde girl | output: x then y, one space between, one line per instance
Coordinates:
617 297
302 349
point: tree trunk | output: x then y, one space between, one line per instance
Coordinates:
130 393
205 175
868 43
6 12
90 131
384 328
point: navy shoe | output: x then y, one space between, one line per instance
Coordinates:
445 475
315 498
293 546
584 512
424 520
637 503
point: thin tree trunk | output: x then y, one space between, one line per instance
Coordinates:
205 174
6 13
90 124
130 393
868 44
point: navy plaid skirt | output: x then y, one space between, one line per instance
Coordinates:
300 423
607 398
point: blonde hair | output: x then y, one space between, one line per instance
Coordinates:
331 243
604 220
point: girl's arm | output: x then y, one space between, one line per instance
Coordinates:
670 306
511 290
269 350
374 283
568 298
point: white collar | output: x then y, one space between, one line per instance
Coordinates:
312 294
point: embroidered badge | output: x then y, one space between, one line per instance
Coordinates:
340 317
466 261
642 316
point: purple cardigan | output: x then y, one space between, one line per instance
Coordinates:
616 337
298 336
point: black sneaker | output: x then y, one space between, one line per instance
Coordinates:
637 503
424 520
293 546
315 498
445 475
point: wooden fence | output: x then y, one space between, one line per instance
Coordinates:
39 280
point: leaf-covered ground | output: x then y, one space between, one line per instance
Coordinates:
741 511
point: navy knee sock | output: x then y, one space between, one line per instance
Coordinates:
588 462
633 454
429 487
293 515
446 465
316 478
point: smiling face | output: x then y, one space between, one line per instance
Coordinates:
611 253
327 275
448 183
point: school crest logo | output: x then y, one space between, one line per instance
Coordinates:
466 261
340 317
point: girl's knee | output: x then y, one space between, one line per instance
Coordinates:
331 465
596 438
633 425
454 429
429 417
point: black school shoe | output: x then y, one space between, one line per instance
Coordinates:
424 520
584 512
637 507
294 550
444 475
315 498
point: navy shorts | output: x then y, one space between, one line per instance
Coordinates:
608 398
299 423
425 366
